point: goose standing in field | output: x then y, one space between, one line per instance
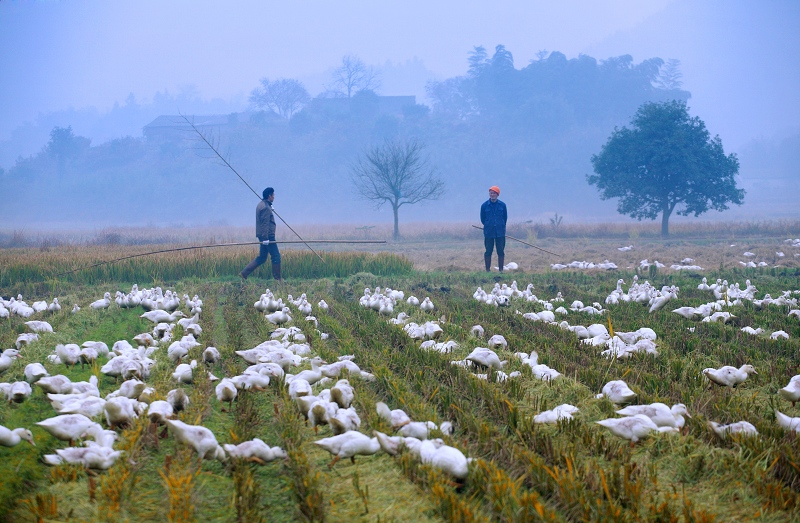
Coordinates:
618 392
159 412
67 427
344 420
211 355
39 326
426 305
342 394
102 303
120 411
7 359
226 391
184 373
75 309
477 331
396 418
201 439
787 422
349 445
791 392
484 357
55 306
740 427
728 376
311 376
58 384
178 399
17 392
279 317
661 414
632 428
413 301
11 438
34 372
69 354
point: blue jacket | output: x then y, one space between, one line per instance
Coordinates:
494 217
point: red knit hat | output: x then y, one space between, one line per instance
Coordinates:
495 189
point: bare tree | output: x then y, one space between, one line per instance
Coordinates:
396 173
353 76
283 96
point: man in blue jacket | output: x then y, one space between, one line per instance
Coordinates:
494 217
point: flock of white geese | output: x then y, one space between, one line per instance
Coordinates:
319 393
637 421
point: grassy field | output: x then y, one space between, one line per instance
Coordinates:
573 471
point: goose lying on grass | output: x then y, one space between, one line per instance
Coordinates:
659 413
255 450
740 427
564 412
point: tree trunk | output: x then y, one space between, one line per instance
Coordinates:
396 235
665 212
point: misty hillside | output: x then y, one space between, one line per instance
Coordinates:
530 130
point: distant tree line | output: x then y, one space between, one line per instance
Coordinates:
532 129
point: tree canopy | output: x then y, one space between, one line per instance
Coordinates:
666 159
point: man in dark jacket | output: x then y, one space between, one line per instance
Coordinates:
265 232
494 217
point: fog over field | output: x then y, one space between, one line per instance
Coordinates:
517 94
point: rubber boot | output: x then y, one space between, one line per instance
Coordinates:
276 271
487 260
247 270
500 260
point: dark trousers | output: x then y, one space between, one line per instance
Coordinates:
263 252
490 243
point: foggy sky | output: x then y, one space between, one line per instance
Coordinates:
740 58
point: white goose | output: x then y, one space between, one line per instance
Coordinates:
349 445
7 359
728 376
787 422
662 415
11 438
279 317
397 417
632 428
791 392
618 392
201 439
740 427
255 450
562 412
102 303
67 427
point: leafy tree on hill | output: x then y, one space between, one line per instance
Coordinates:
666 159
